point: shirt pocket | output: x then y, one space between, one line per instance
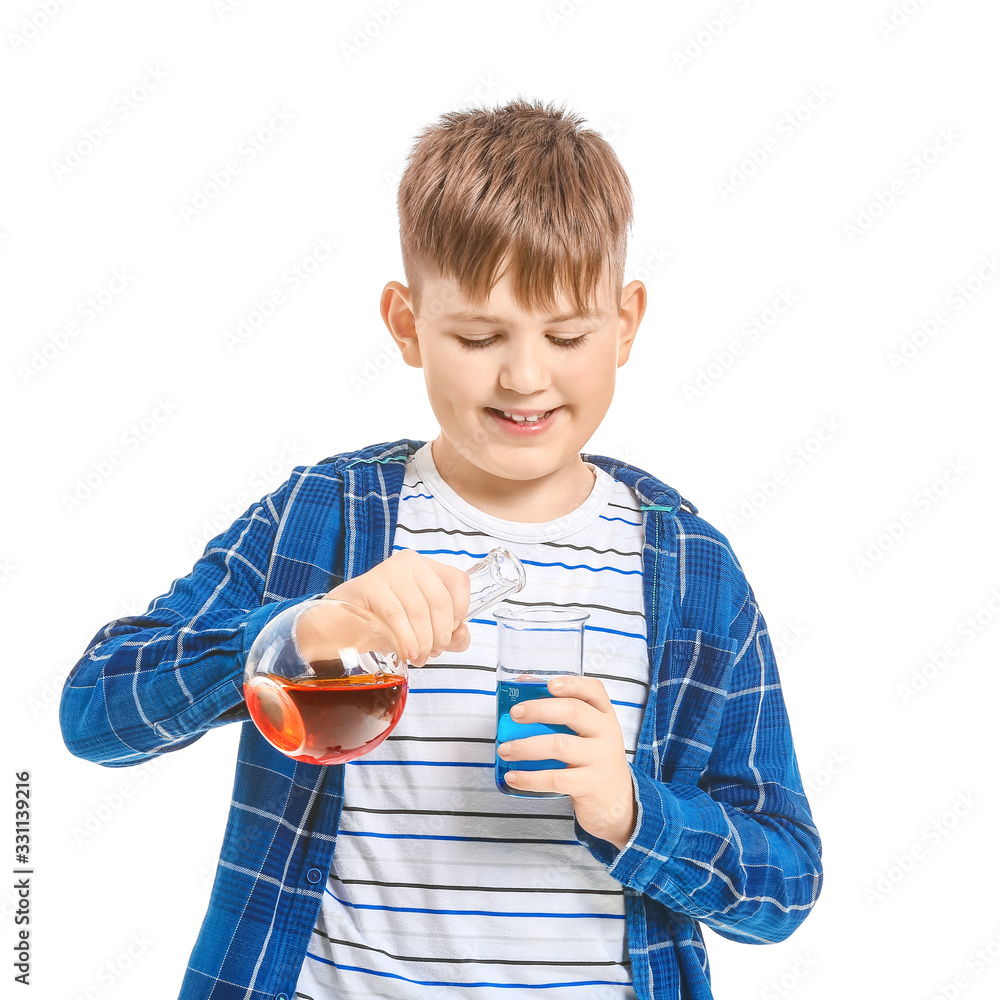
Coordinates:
691 696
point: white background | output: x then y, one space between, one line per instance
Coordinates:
883 761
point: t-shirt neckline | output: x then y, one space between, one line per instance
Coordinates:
514 531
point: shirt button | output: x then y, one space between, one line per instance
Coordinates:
281 996
313 875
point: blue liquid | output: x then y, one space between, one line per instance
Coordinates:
509 693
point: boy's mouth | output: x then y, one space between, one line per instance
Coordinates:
527 423
522 416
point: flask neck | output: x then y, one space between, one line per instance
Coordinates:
493 578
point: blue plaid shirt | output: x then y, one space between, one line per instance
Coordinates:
723 836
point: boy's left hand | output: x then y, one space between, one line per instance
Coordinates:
596 777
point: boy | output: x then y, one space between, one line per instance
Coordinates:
406 873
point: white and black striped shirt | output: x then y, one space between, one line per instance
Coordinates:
440 884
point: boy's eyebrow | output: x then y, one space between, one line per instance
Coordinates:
467 317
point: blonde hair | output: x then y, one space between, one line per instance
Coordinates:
525 180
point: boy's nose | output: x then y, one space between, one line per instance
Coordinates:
523 371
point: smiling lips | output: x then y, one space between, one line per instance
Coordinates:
523 416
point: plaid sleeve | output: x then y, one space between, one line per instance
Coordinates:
738 849
155 682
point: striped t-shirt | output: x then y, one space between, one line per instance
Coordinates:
440 884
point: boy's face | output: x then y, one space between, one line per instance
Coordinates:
517 361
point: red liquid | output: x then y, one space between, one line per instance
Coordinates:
326 721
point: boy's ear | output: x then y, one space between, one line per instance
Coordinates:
397 314
633 306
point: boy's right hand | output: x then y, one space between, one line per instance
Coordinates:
422 601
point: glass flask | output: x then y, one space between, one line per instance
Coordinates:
323 682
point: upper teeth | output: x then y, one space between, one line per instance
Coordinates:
529 420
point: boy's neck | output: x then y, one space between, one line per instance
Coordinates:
529 501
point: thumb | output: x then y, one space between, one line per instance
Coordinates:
460 638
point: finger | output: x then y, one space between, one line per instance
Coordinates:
398 601
588 689
440 603
574 751
461 639
389 607
418 613
460 587
584 719
562 780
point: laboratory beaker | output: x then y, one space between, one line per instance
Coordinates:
533 645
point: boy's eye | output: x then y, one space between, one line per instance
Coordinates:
560 341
